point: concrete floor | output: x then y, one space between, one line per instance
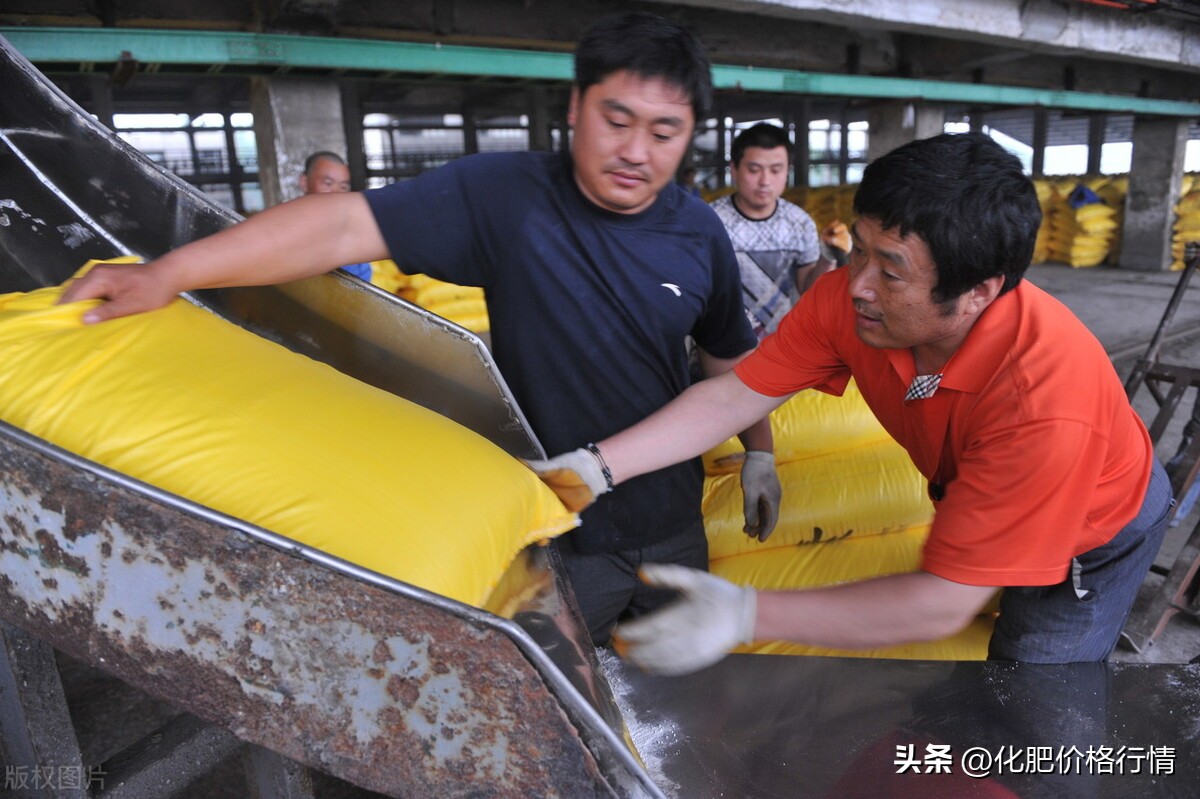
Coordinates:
1123 308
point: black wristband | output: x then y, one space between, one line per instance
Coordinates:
604 470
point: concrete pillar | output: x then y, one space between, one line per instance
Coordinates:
102 99
1096 130
1155 179
894 124
844 148
234 166
470 128
539 119
1040 133
799 117
722 147
293 118
352 117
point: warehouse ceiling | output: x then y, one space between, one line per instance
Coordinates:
1132 48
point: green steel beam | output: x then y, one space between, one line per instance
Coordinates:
214 49
104 45
820 83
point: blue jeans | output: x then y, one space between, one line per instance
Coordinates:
606 585
1080 619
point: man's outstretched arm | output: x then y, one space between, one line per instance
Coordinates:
701 417
301 238
697 420
713 616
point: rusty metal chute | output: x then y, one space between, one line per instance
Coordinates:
378 682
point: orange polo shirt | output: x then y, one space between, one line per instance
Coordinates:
1041 455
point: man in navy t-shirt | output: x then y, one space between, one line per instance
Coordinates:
596 268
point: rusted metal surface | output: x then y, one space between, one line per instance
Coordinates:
344 670
391 693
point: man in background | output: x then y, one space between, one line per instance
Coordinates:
778 250
326 173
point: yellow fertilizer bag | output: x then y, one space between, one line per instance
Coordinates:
813 566
849 561
185 401
970 643
387 276
459 309
437 293
810 423
867 491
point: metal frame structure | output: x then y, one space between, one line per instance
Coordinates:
1180 589
232 52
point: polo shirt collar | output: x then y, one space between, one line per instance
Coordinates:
987 344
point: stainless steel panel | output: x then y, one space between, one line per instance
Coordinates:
775 726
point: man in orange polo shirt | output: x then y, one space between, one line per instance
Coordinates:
1044 478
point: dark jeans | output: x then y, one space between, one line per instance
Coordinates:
1080 619
607 588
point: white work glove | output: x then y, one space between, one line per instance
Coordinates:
577 477
696 630
761 494
836 243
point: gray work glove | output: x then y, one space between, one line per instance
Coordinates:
577 477
696 630
761 494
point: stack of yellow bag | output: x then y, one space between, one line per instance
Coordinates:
1045 194
185 401
1113 193
1187 220
1082 226
797 195
711 195
826 204
1057 225
854 507
463 305
387 276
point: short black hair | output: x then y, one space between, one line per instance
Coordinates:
967 198
648 46
320 155
764 135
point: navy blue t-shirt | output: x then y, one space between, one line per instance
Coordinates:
589 309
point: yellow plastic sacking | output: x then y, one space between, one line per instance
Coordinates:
970 643
463 305
852 560
438 293
387 276
185 401
870 490
847 561
810 423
